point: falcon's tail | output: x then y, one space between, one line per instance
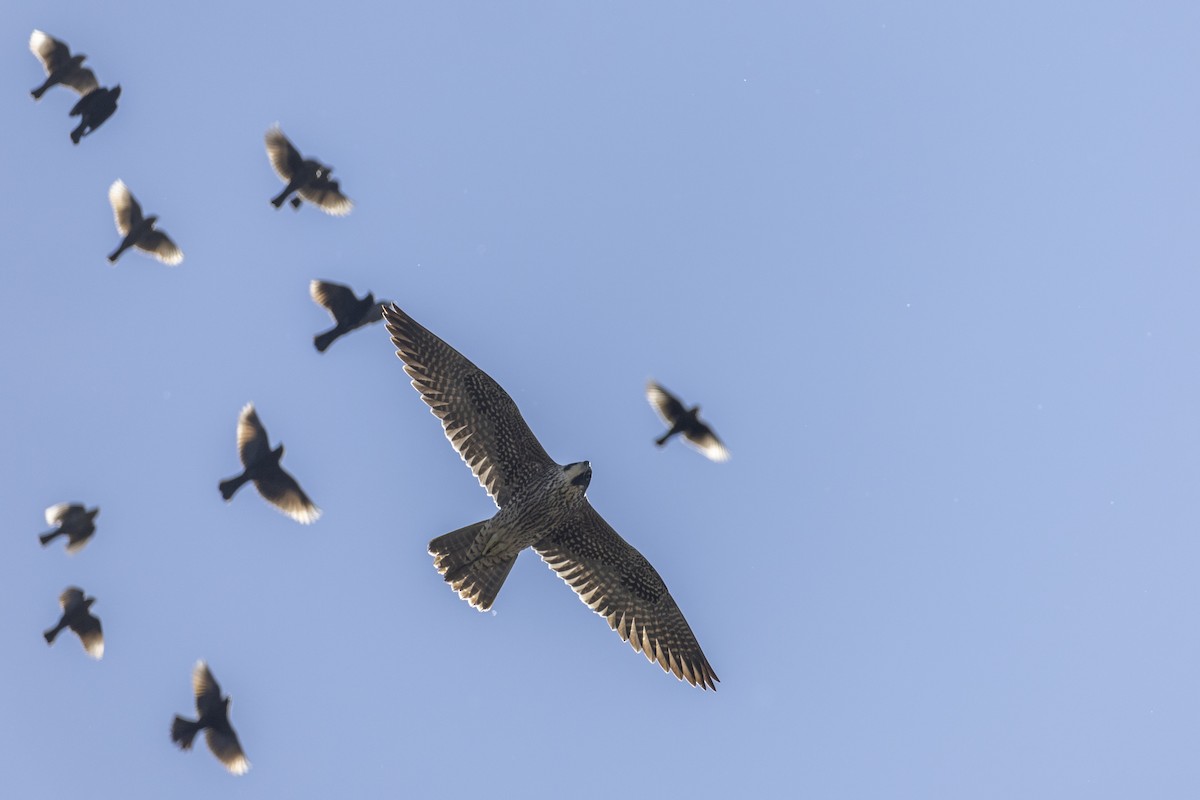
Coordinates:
477 580
48 536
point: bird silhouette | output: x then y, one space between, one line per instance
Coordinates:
137 229
541 504
348 312
62 68
309 178
262 467
73 521
681 419
93 109
77 616
213 710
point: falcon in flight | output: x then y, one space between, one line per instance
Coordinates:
682 419
348 312
307 177
138 230
541 504
77 616
213 719
261 465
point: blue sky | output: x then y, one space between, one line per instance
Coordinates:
931 273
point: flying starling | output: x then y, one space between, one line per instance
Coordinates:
73 521
138 230
93 109
61 67
214 721
684 420
77 616
262 466
541 504
307 177
348 311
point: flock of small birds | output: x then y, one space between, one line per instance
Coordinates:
540 504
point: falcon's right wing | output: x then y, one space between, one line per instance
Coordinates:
481 421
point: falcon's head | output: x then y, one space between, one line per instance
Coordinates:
579 473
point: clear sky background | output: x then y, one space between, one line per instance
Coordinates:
931 272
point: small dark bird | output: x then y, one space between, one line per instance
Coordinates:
73 521
77 616
307 177
684 420
262 466
348 311
214 721
61 67
541 504
93 109
139 230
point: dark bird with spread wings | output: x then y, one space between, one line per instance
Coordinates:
73 521
348 312
214 721
93 109
138 230
262 466
542 505
682 419
307 177
62 68
77 616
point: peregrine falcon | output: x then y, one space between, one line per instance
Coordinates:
262 466
541 504
73 521
214 721
61 67
684 420
93 109
348 311
307 177
77 616
138 231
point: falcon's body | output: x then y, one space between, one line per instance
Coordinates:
93 109
348 312
309 178
138 230
73 521
77 616
213 719
686 421
542 505
262 467
61 67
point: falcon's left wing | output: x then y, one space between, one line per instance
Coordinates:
619 584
